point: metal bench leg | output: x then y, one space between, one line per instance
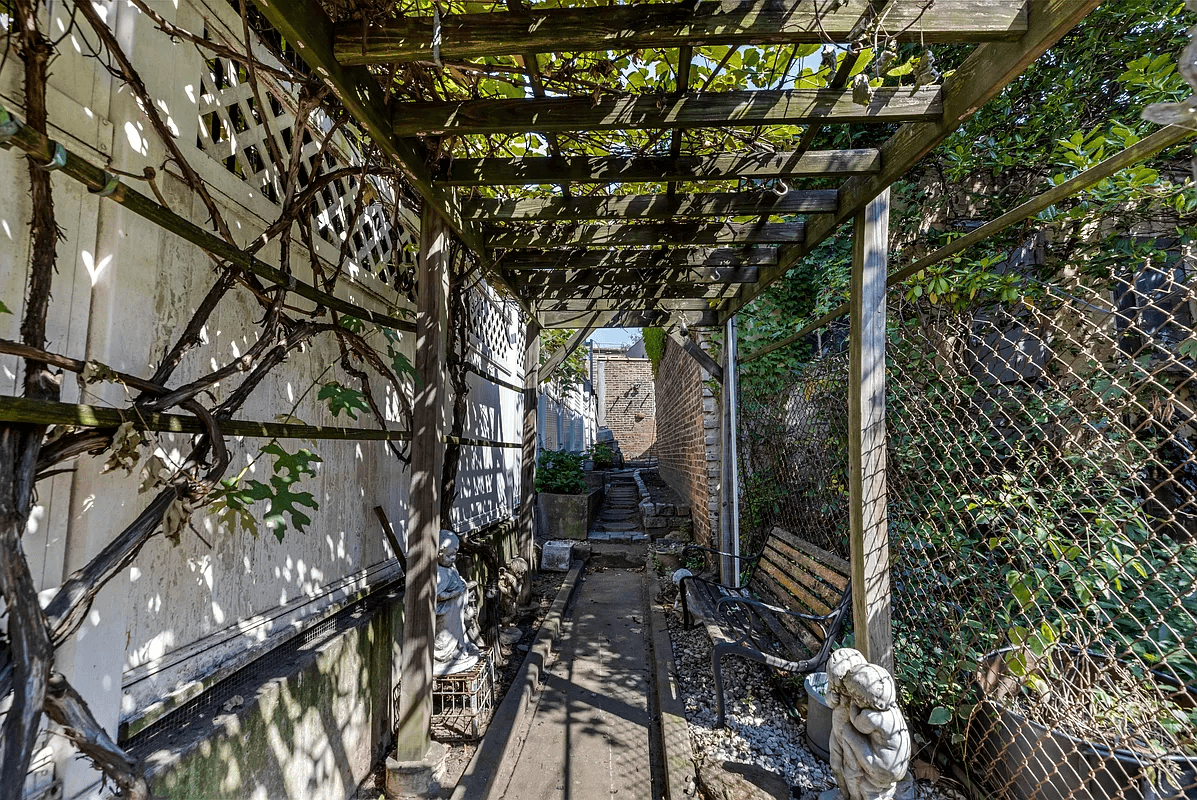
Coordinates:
716 662
687 621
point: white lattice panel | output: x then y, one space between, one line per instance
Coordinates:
233 131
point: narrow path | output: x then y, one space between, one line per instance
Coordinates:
590 732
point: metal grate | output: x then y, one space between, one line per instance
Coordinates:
463 704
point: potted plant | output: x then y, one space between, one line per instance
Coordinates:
567 506
1063 723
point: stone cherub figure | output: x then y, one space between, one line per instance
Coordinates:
870 743
452 649
514 589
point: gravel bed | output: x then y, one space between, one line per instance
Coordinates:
759 730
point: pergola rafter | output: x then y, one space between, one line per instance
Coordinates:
625 235
516 261
687 168
631 27
653 206
691 110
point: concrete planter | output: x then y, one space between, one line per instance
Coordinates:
568 516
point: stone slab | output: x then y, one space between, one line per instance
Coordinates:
556 556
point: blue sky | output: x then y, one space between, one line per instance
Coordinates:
615 336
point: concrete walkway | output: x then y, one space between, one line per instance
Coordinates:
589 735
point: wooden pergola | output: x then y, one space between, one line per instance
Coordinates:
698 238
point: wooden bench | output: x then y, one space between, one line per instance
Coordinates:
788 614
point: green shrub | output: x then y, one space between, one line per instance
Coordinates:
603 455
560 473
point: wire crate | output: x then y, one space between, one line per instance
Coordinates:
463 704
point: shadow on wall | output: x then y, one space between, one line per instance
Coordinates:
307 720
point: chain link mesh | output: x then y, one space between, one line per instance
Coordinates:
1042 504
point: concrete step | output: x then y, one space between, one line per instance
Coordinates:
627 525
618 537
617 555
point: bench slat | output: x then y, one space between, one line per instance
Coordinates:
793 563
813 604
808 634
828 565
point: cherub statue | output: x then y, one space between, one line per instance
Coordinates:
452 649
523 580
508 597
839 663
870 743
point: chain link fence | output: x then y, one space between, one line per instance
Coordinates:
1042 520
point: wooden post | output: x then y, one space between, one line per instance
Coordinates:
527 529
866 436
729 483
424 520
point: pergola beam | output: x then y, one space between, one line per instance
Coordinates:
653 206
692 110
666 291
982 75
518 261
631 304
558 356
626 318
529 170
550 237
648 278
667 25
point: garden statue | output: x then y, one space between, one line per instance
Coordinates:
521 571
870 743
512 582
452 649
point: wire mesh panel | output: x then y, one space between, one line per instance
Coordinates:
1042 521
793 456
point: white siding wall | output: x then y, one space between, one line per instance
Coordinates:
122 292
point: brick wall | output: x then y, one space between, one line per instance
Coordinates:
627 402
688 449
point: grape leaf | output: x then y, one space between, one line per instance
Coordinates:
342 398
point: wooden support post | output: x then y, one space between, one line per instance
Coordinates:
866 436
527 530
424 519
729 483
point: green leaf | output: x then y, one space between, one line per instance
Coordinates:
352 324
939 716
342 398
4 309
232 502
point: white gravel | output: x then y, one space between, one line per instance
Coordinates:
758 730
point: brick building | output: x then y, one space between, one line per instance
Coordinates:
626 400
688 446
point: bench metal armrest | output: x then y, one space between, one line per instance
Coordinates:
690 547
748 601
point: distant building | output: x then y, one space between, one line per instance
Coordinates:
627 404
